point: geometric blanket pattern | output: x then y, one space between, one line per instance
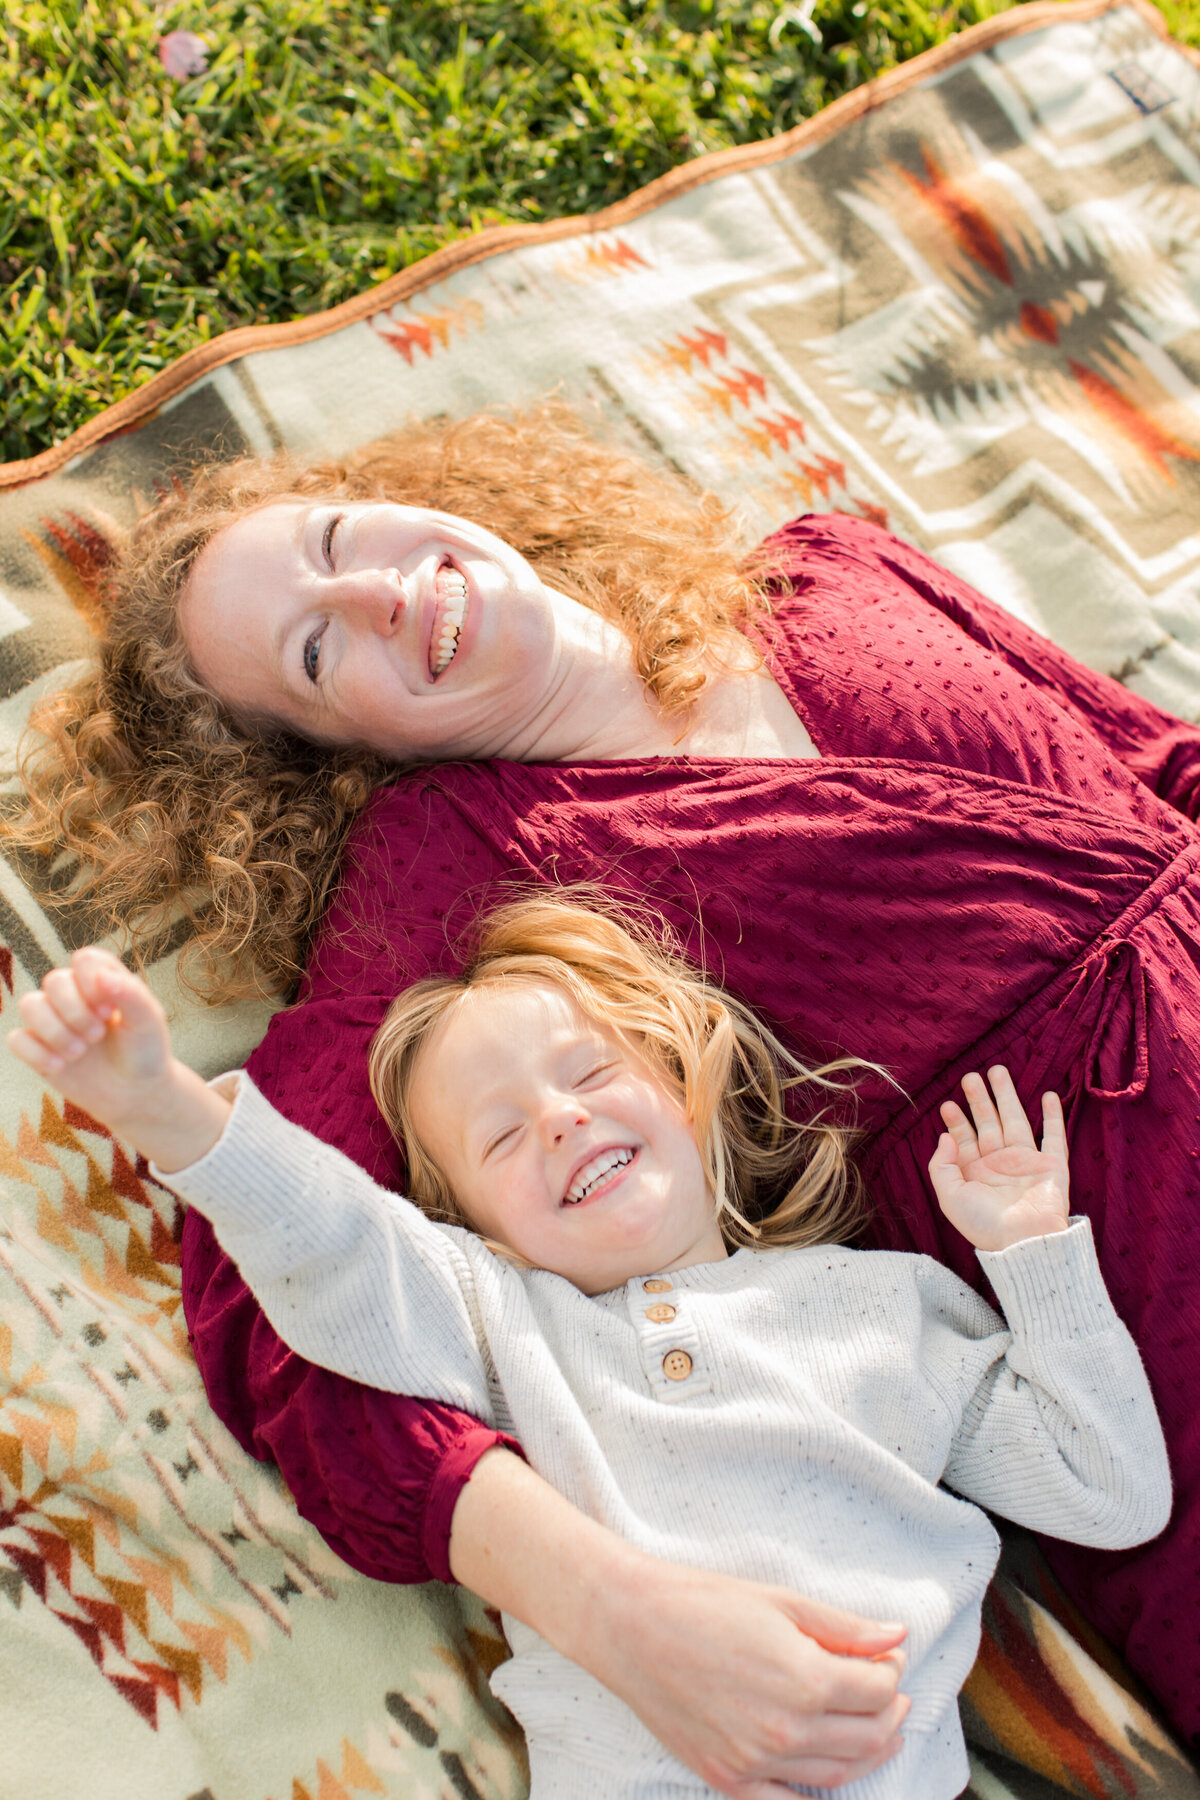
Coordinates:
964 302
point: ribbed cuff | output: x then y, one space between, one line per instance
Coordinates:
236 1087
1050 1288
245 1181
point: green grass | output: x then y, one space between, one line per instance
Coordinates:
329 145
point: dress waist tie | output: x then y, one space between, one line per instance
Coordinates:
1118 964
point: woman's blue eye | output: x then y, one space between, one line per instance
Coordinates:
312 655
327 539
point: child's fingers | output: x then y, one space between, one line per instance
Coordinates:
945 1171
1054 1127
41 1018
101 977
1014 1120
62 991
1000 1120
126 994
945 1156
959 1128
30 1050
988 1129
116 993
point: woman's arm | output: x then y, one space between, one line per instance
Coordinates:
1162 751
749 1685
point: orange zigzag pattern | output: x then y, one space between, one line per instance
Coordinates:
695 355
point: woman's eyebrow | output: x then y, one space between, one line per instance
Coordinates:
301 534
279 629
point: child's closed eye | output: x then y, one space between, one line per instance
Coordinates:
502 1140
597 1073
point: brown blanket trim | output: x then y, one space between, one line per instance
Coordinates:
127 414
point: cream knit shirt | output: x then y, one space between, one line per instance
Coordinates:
785 1416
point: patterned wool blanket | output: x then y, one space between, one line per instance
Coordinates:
964 302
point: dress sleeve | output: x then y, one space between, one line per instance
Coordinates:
1060 1433
1162 751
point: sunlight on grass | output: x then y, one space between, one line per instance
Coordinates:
328 145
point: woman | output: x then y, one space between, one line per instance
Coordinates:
881 770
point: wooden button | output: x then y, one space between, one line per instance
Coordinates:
660 1313
657 1287
677 1365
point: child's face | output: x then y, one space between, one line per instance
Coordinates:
560 1143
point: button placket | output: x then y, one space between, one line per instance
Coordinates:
668 1340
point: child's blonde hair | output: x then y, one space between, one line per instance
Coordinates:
777 1182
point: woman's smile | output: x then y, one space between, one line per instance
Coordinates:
451 607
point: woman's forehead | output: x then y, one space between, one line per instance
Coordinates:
267 529
233 605
259 544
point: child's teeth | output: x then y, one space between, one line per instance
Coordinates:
597 1170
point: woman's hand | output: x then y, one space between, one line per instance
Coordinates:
991 1180
751 1686
97 1034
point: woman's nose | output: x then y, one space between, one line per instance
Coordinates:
373 597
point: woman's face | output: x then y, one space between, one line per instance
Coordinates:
400 630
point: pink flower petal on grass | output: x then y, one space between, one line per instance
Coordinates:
183 54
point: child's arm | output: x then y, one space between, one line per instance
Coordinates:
97 1034
1060 1432
351 1276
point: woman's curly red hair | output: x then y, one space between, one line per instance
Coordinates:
171 817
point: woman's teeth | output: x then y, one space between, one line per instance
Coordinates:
451 591
594 1172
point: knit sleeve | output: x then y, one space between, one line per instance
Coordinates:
1060 1433
350 1275
1162 751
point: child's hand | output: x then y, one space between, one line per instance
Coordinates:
97 1034
991 1180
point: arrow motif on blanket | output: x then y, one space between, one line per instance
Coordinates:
423 331
95 1448
600 261
77 554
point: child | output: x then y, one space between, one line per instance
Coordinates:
590 1127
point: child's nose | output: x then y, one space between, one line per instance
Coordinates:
561 1115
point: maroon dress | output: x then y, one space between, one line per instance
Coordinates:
993 859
